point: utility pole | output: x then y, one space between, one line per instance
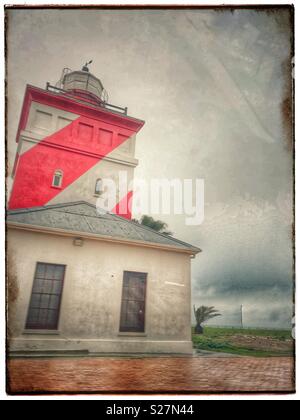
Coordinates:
242 321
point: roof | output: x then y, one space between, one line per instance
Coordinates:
83 218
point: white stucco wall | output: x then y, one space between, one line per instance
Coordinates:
84 187
91 300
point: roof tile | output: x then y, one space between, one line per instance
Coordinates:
84 217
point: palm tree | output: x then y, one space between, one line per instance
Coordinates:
203 314
156 225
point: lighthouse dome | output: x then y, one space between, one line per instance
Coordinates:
84 84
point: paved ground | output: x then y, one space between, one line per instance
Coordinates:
214 354
153 375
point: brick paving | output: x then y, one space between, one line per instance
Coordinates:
152 375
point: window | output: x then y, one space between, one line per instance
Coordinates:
98 186
133 302
57 178
45 299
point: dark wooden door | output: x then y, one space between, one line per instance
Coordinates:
133 302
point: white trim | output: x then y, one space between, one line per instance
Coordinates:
40 332
123 159
174 284
63 232
57 173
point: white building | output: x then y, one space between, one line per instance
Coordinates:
79 280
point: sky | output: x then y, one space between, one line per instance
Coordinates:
211 87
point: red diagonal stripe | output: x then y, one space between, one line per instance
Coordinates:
124 207
69 150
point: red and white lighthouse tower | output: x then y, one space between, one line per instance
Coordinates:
69 139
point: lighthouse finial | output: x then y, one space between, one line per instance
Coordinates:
85 67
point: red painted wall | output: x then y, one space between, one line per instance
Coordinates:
74 149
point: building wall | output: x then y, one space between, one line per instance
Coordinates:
84 188
83 143
91 300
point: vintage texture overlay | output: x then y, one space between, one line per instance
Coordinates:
210 94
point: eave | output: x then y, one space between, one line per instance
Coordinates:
68 103
76 234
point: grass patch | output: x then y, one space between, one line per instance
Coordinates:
224 340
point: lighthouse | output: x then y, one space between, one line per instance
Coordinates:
69 139
88 281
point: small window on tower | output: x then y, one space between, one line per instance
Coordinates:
98 186
57 178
